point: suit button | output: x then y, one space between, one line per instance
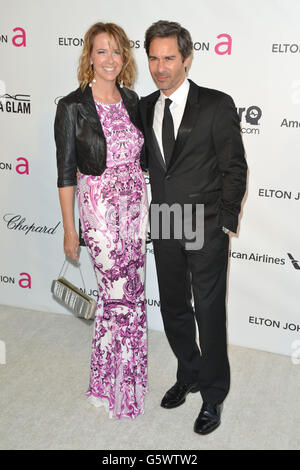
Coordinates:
168 177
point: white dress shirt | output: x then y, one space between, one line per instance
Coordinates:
177 106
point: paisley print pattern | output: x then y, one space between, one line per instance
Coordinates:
113 212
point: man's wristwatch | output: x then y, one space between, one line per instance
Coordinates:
226 230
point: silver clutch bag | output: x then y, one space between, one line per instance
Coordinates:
80 304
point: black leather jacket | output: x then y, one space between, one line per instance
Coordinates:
80 141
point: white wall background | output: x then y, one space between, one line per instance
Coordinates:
261 70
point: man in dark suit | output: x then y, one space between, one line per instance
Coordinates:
195 157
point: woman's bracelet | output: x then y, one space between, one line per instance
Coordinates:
67 232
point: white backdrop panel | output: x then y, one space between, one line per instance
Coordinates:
262 74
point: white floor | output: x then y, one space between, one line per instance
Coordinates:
43 406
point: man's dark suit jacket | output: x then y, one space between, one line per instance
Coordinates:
208 164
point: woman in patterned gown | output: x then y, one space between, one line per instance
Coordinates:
97 132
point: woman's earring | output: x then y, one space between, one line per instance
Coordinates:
92 75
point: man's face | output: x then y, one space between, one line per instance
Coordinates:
166 65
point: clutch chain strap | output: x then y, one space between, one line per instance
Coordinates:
66 271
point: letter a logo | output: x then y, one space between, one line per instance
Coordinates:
20 39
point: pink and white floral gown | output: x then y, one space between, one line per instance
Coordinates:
113 211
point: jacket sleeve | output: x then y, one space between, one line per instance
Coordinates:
64 132
231 159
143 157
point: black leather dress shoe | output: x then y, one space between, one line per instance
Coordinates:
209 418
177 394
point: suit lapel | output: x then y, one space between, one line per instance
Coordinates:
190 115
151 134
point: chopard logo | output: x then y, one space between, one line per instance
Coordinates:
16 222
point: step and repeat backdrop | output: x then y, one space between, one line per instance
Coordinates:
249 50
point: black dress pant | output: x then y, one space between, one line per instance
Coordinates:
202 273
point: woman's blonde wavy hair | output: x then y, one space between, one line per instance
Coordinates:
85 71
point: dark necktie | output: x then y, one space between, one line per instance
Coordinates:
168 138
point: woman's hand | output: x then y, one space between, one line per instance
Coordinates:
71 244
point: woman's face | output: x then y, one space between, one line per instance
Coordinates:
106 58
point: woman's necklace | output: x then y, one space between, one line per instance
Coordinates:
105 100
